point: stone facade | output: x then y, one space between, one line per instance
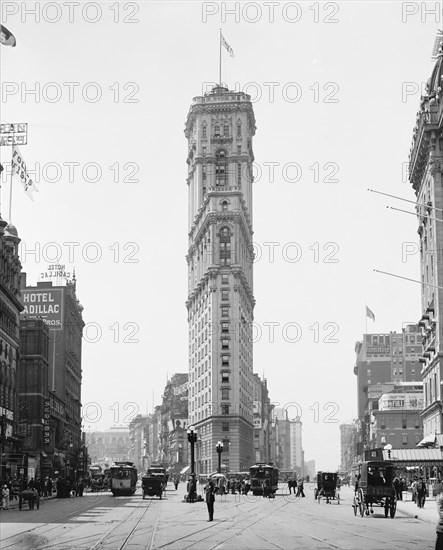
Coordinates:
381 359
10 307
426 177
219 129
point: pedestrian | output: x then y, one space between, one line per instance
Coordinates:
80 487
176 482
400 489
300 492
289 485
210 498
5 497
439 529
192 489
421 493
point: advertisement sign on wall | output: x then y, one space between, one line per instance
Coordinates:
46 304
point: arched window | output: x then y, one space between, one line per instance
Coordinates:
225 246
221 171
226 129
204 130
217 130
239 129
224 205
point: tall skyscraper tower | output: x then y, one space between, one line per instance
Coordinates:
426 177
219 130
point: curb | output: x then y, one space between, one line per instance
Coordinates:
419 515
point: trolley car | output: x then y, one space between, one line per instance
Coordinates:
374 485
264 477
327 487
123 478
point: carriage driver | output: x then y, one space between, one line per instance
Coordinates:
376 478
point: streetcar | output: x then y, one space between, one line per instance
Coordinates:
374 485
123 478
264 477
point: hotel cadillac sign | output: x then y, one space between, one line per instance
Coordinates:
44 303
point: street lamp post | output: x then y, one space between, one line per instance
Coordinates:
192 438
388 448
219 449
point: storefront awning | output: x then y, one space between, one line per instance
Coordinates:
185 470
410 457
427 441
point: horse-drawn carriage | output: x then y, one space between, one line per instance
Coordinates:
152 486
31 496
374 485
328 487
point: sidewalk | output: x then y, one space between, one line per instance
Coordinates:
13 504
429 513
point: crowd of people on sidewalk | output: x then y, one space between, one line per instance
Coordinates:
61 487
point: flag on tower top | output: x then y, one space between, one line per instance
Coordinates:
226 45
6 37
370 314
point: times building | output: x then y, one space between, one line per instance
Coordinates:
219 129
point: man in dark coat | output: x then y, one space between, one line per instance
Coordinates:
439 529
421 493
210 498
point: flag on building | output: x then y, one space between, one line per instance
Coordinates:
226 45
370 314
6 37
19 167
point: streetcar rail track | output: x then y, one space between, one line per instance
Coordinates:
55 520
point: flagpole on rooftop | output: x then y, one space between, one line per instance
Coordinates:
219 65
10 189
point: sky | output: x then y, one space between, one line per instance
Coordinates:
105 88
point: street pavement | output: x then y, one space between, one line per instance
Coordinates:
408 508
99 521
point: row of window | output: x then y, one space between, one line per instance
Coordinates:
221 129
417 438
385 340
404 423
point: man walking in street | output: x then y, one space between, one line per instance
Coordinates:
421 493
210 498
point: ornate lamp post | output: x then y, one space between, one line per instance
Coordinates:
192 438
219 449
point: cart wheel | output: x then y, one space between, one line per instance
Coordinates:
393 508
